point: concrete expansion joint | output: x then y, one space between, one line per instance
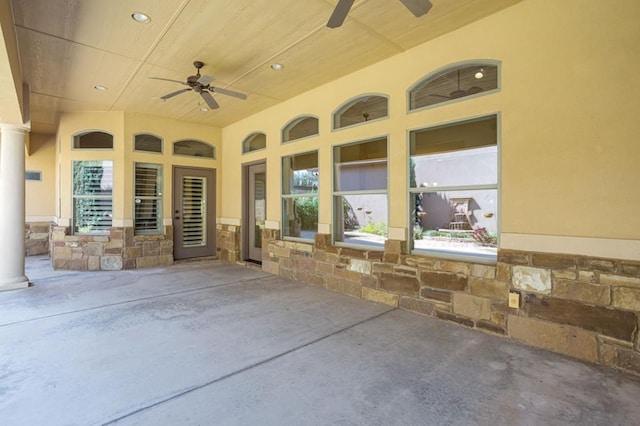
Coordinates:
159 296
194 388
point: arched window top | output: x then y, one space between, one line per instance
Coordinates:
454 82
93 139
301 127
360 110
254 142
147 142
194 148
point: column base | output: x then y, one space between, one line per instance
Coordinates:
14 283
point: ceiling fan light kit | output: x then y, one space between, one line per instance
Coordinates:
201 84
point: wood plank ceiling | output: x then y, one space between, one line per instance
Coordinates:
67 47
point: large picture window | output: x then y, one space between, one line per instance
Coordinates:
92 196
360 193
300 195
454 188
148 199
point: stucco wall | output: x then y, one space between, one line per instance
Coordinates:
124 126
40 195
567 157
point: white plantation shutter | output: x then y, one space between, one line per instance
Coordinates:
148 199
92 197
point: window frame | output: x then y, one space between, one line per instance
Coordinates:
76 136
444 254
158 198
423 81
294 122
148 152
74 197
212 146
291 196
335 116
335 194
250 135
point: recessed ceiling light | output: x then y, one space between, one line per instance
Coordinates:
203 109
100 88
140 17
276 67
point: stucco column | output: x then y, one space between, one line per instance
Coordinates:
12 145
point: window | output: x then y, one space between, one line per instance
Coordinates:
300 128
361 110
454 83
147 143
33 175
453 192
92 196
300 195
360 192
93 140
147 199
192 148
254 142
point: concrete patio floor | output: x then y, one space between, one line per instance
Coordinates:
209 343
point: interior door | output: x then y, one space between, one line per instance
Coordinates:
194 196
256 211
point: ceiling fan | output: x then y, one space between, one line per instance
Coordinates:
201 84
417 7
459 93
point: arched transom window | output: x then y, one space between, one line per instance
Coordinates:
455 82
147 142
301 127
254 142
193 148
93 140
360 110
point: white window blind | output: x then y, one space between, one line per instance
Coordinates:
92 197
148 199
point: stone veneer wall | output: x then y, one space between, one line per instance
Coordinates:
584 307
36 238
120 249
228 242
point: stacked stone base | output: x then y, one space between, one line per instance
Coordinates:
579 306
120 249
228 242
36 238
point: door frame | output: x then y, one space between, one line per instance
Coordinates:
210 248
244 250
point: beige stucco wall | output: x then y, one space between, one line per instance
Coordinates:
124 126
568 122
567 113
40 195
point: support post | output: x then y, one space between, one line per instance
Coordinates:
12 187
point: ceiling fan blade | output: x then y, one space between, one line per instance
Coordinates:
168 79
228 92
209 100
172 94
417 7
205 80
339 13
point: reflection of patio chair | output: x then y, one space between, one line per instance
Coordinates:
461 216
